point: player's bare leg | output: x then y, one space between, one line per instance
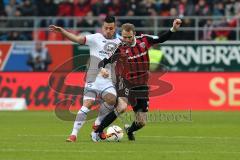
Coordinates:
110 99
122 105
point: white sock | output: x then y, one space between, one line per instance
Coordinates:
103 111
80 120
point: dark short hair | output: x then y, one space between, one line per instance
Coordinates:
109 19
128 27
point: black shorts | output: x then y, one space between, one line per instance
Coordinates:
137 95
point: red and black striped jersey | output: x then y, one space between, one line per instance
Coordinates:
133 61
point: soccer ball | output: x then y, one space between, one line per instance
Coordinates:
114 133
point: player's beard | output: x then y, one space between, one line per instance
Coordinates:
108 36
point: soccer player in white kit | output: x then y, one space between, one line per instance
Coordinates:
102 45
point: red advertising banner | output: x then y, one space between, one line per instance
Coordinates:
200 91
35 88
195 91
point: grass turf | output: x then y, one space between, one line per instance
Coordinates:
41 135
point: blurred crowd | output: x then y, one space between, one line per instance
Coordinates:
100 8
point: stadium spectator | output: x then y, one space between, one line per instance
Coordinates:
115 8
132 5
46 8
207 30
164 9
65 9
13 36
224 30
150 6
39 59
218 9
16 23
11 8
185 8
28 8
144 8
88 21
3 22
135 22
237 7
21 23
173 12
82 7
1 7
99 8
230 7
202 8
189 35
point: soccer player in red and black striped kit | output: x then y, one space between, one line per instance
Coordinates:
132 67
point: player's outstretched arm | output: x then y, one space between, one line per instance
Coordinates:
68 35
166 35
175 27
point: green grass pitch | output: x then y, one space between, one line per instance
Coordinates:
41 136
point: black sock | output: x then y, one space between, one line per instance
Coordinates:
134 127
106 121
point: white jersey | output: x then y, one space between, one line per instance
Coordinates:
100 48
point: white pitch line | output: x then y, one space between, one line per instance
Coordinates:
29 135
112 151
65 151
191 137
147 136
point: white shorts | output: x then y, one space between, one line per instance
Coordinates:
99 88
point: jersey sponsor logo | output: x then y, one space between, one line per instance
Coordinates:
202 57
137 56
108 48
143 45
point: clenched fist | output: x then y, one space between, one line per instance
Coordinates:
176 24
